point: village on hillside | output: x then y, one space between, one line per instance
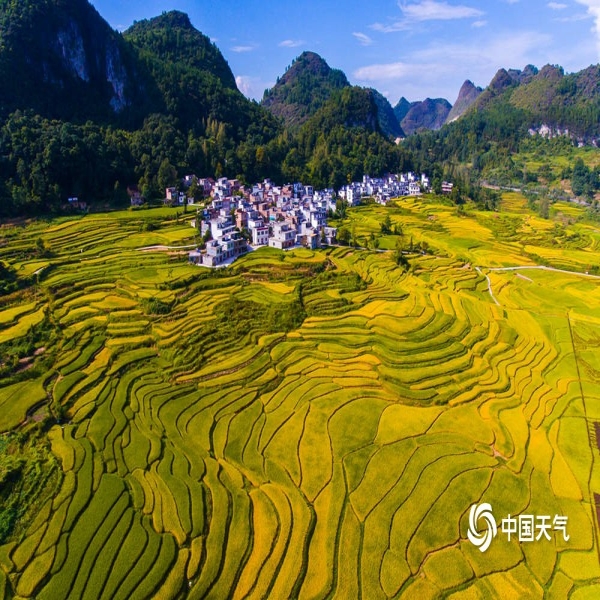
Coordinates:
238 219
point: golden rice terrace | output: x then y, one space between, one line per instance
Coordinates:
301 424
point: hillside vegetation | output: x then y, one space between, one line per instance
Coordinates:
304 88
97 111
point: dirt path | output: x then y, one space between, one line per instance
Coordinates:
166 248
489 285
539 267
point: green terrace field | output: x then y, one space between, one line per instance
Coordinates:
545 162
301 424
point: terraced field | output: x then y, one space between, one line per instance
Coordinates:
303 425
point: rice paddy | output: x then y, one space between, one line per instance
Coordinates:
305 424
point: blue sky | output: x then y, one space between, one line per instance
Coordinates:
411 48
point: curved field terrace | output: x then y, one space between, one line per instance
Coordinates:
301 424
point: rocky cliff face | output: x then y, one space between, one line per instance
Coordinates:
90 61
116 75
70 50
67 59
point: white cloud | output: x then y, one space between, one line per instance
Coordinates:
435 70
240 49
432 10
382 72
363 38
291 43
593 7
557 5
508 50
244 84
390 28
427 10
479 23
574 18
252 87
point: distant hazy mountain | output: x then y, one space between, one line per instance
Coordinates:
428 114
401 109
386 116
515 105
466 97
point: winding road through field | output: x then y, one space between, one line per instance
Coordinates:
543 268
530 267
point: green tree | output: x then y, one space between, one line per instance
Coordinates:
167 175
343 236
399 256
341 208
386 226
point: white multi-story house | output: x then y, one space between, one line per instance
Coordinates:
222 187
260 232
414 188
330 235
284 236
207 185
219 227
222 250
318 218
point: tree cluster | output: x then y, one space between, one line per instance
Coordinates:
584 181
